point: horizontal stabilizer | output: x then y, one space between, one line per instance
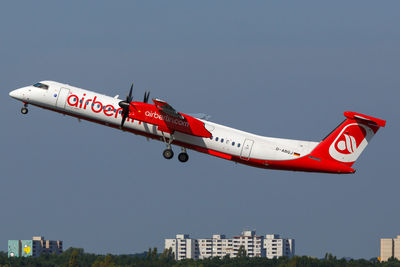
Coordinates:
358 116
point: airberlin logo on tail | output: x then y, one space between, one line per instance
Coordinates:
349 145
350 142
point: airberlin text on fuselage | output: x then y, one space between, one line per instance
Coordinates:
109 110
96 106
166 118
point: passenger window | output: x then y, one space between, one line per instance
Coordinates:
233 143
211 137
216 138
222 140
238 144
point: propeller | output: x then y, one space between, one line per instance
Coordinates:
125 106
146 96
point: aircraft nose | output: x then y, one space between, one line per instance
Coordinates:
17 94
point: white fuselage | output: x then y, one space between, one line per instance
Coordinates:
105 110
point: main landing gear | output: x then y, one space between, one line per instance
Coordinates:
183 156
24 109
169 154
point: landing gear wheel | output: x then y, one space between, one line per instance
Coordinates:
183 157
168 153
24 110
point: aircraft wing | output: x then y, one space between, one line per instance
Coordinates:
174 121
166 108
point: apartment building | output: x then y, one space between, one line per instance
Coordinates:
271 246
390 247
252 243
217 246
34 248
276 247
183 247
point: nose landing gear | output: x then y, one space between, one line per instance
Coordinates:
24 109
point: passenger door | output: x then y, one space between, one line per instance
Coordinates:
62 98
246 149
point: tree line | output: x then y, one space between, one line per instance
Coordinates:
76 257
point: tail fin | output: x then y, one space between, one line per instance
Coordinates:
346 143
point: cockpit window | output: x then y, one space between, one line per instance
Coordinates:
41 85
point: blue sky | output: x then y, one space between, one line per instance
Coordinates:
281 69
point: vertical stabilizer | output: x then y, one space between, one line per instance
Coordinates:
346 143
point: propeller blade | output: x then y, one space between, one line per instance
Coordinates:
146 97
129 97
124 116
125 106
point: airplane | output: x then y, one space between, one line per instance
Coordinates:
336 153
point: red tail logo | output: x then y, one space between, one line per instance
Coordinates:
350 142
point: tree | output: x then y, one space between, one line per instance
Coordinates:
73 262
329 257
241 252
148 256
106 262
154 254
167 255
